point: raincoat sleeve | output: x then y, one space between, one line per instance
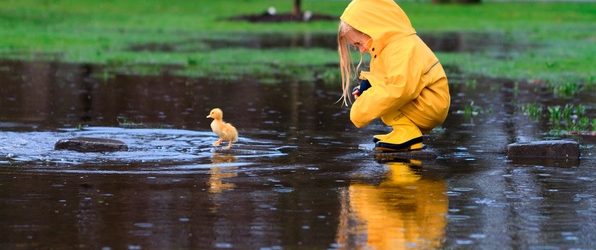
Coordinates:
392 90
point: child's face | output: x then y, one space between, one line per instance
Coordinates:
358 40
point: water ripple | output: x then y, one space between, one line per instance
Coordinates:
187 150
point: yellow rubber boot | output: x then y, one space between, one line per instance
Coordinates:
377 138
381 137
406 136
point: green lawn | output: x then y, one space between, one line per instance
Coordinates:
559 37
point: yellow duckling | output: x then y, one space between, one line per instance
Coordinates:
224 130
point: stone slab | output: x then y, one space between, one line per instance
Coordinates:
89 144
551 149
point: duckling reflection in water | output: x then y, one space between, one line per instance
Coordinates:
225 131
218 173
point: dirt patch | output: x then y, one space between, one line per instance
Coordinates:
162 47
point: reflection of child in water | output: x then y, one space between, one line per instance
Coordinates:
404 211
406 86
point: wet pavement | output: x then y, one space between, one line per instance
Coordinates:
301 176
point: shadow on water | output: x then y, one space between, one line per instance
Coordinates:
300 175
502 44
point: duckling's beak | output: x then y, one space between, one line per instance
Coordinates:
209 116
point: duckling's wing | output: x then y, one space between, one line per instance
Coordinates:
224 134
230 132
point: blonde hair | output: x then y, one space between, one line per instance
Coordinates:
345 61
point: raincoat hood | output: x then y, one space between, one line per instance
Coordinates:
382 20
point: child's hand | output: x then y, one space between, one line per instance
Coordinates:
358 90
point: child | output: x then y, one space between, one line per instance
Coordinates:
406 86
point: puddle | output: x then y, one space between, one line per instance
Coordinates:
249 41
475 42
300 176
501 44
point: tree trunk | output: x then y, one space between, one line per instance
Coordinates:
297 8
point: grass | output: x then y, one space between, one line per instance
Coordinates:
559 38
562 120
532 110
569 119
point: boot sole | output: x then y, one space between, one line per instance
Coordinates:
403 147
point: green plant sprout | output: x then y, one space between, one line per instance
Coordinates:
565 120
471 110
567 89
554 113
126 123
533 110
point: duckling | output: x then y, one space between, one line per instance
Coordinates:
224 130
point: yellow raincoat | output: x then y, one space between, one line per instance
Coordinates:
405 75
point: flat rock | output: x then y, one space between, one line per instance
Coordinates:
89 144
553 149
